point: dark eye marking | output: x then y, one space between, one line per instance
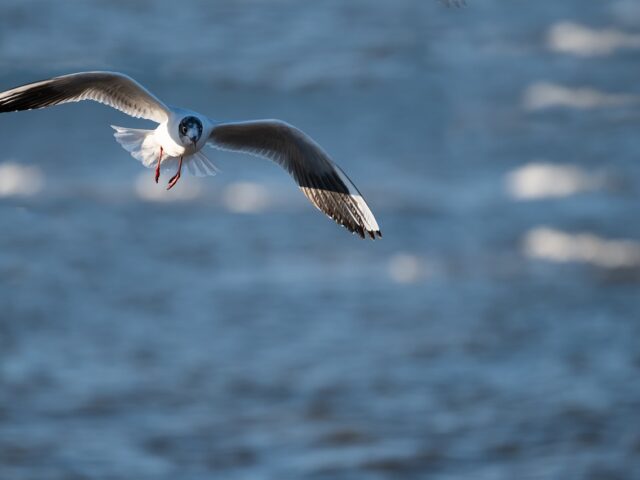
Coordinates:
190 122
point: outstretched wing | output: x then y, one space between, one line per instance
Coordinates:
321 180
113 89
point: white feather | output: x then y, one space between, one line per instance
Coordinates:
144 147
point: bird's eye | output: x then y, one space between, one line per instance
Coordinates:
183 129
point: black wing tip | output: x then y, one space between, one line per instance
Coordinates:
362 233
373 233
40 94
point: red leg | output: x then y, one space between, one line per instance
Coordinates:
158 166
176 177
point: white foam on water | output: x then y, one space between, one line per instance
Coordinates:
540 180
406 268
246 197
19 180
542 95
557 246
576 39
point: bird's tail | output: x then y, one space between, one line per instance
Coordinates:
143 147
140 143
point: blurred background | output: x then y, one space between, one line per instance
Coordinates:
226 329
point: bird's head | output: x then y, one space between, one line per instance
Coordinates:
190 130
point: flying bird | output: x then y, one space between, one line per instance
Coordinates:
181 134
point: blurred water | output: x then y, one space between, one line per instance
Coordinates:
492 333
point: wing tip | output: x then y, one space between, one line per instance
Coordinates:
363 233
374 233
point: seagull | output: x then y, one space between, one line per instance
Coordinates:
181 134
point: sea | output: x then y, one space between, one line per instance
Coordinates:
228 330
